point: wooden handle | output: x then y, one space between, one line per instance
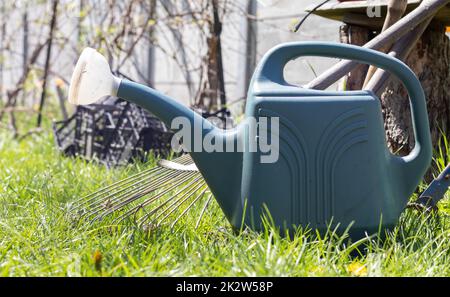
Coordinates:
396 9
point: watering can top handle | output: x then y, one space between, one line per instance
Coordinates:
272 66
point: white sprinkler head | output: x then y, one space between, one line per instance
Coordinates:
92 79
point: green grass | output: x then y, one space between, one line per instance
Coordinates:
38 237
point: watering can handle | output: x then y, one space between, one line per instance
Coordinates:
272 66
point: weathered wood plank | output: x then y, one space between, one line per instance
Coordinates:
338 10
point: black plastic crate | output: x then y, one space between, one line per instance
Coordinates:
113 132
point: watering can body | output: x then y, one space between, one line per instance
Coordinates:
333 165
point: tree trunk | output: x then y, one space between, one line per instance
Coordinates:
430 60
213 96
358 36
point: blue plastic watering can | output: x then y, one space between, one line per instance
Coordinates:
332 163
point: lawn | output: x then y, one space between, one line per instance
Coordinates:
38 236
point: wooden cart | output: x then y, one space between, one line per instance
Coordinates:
429 58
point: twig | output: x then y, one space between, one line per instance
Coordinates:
300 23
19 85
217 31
47 61
29 133
168 7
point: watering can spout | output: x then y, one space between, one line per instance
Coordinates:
215 151
92 79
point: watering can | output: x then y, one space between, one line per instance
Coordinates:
333 165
